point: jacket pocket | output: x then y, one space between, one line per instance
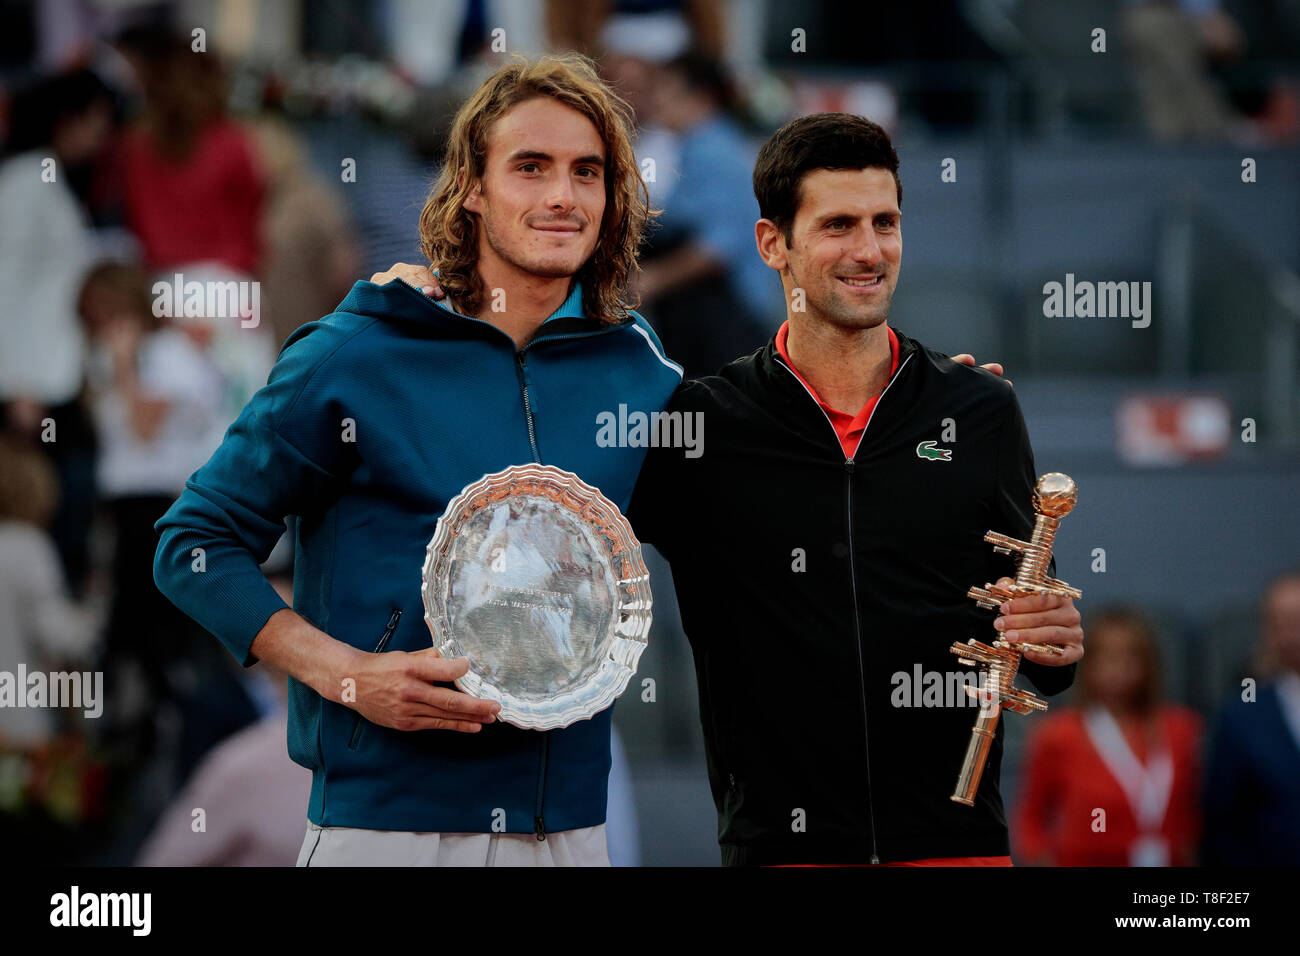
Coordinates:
357 720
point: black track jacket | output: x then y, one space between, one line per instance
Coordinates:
815 590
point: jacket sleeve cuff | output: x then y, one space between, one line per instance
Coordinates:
1049 680
230 597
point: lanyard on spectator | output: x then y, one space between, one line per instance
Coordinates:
1147 788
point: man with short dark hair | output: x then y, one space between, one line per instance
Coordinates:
824 525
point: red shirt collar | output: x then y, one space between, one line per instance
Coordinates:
848 427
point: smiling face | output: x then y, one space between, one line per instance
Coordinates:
542 194
845 247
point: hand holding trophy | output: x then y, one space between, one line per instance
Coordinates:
1055 495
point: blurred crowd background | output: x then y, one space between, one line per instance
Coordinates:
292 142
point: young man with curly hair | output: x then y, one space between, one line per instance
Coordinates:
372 420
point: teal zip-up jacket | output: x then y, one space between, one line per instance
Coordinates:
372 419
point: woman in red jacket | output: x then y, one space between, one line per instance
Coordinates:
1113 780
193 187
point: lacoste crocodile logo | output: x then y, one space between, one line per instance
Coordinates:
927 450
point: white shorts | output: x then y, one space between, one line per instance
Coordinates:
348 846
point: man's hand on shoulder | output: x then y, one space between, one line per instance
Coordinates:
418 277
965 358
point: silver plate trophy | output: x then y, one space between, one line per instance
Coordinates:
537 579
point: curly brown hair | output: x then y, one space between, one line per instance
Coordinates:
449 234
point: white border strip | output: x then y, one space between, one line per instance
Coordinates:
659 355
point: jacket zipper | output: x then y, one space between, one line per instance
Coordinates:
389 628
521 367
521 359
521 370
849 464
862 666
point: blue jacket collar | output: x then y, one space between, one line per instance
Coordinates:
395 300
571 307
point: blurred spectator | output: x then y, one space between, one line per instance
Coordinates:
311 258
710 297
632 71
633 40
58 126
588 26
237 769
436 41
1113 780
1264 85
1252 786
194 192
1172 45
228 697
242 353
158 404
49 782
389 192
40 626
251 795
195 196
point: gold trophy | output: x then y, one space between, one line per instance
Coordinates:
1055 495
